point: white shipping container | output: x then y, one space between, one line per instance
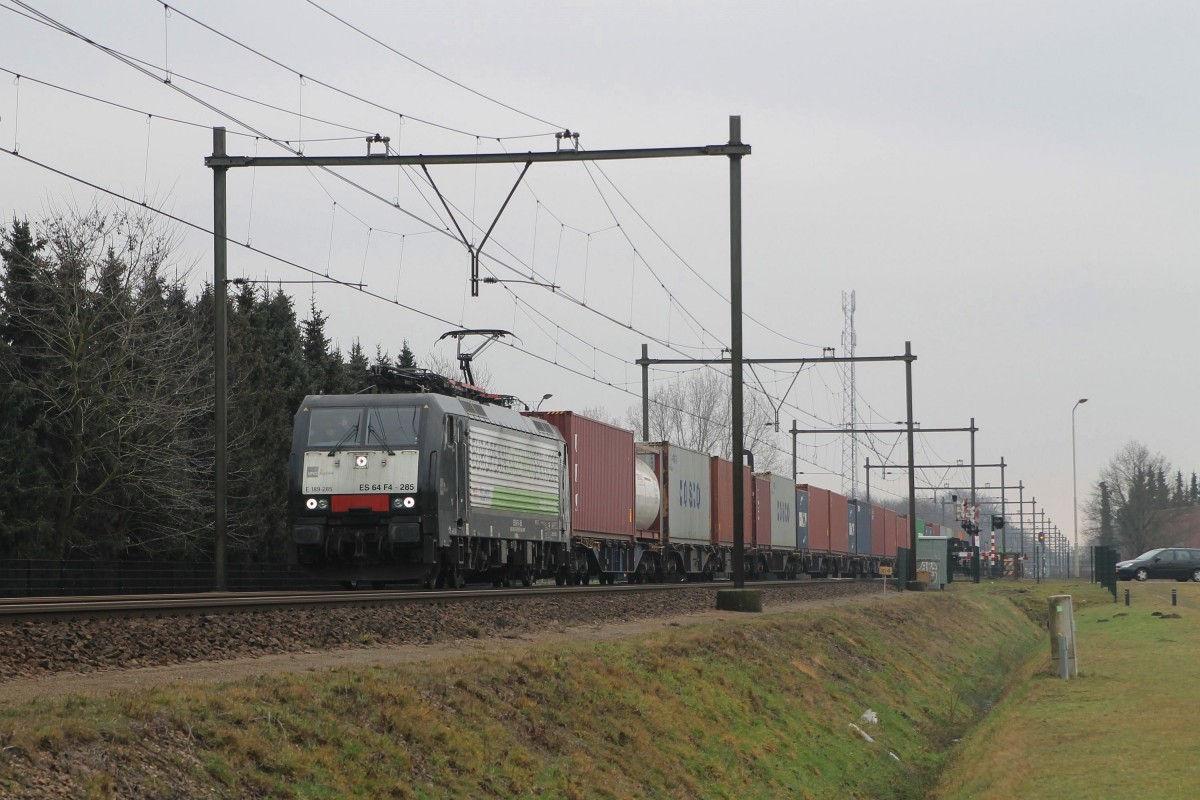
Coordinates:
783 513
687 490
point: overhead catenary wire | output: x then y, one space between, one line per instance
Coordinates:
133 63
167 10
688 265
433 71
331 87
67 30
331 279
179 76
615 385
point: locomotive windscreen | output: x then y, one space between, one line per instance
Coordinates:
384 426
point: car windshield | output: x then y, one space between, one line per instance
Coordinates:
1149 554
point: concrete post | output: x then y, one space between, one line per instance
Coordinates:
1063 660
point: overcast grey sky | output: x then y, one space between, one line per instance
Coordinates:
1012 186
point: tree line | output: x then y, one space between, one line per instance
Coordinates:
107 431
1141 502
106 435
106 440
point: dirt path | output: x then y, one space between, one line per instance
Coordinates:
23 690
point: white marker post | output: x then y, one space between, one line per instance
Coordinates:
1063 661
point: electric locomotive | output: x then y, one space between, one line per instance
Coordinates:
433 481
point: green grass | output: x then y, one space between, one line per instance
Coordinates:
1124 728
756 707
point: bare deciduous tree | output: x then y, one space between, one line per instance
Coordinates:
119 382
447 367
1137 492
696 411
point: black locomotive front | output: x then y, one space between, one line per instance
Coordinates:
402 487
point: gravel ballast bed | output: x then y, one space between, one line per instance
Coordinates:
86 645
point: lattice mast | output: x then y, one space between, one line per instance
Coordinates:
849 404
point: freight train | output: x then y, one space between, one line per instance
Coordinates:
439 482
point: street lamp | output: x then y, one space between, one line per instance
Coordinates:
545 397
1075 484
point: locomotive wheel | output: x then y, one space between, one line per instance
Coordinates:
527 577
559 580
585 578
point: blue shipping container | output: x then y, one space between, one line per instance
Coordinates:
801 519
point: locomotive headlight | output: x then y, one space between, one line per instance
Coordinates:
311 504
323 504
397 502
360 462
409 502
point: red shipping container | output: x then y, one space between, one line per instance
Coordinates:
762 512
903 534
818 517
878 536
722 499
600 460
890 526
839 523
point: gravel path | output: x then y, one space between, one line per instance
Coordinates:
46 659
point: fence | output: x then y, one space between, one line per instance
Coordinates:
46 578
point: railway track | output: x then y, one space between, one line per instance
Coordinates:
117 606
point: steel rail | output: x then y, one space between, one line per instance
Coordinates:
117 606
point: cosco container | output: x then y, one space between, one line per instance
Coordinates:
686 484
818 517
600 462
783 512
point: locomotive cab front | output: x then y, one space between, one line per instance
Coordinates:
357 497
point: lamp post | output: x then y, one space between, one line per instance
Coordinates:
1075 483
545 397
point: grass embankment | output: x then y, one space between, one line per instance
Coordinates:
1125 728
751 707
